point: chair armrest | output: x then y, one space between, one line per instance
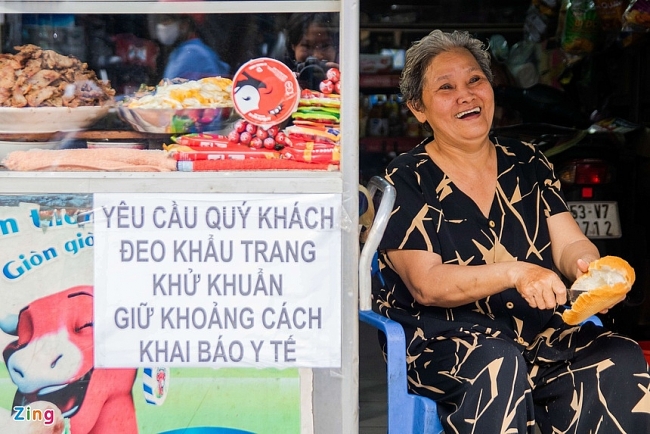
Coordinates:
395 348
407 413
593 319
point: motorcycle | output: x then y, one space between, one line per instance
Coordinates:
599 170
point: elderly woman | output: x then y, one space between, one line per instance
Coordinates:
471 256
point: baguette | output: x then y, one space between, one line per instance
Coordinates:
605 284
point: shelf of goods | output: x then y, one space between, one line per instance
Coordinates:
348 129
326 397
378 81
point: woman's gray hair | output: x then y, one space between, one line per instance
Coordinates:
422 52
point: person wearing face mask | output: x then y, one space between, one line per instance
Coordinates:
311 46
190 57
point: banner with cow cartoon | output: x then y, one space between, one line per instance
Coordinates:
49 379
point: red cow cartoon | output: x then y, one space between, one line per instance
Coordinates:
265 92
52 360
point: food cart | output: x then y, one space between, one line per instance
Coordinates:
221 299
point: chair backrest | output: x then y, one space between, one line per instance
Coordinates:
407 413
373 236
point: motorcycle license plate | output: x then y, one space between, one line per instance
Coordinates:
597 219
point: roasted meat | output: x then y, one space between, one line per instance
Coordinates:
34 77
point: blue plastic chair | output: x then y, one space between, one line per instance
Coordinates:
407 413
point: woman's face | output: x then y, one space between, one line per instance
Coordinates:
316 42
458 99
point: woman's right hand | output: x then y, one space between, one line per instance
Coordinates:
540 287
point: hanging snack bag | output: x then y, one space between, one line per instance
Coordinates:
636 17
541 18
581 27
610 13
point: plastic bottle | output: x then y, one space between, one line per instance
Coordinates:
377 120
395 126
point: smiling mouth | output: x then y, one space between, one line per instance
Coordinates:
67 398
276 111
475 110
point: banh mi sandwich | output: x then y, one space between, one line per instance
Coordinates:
605 284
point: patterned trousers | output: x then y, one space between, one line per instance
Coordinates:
580 380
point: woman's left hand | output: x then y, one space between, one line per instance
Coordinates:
583 267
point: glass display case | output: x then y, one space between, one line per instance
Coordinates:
242 314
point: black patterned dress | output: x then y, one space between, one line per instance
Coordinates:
497 365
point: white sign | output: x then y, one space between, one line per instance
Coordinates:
218 280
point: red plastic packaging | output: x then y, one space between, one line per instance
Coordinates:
203 140
238 152
330 156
